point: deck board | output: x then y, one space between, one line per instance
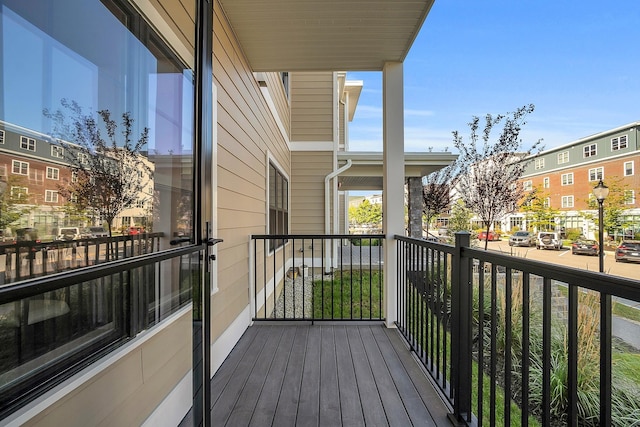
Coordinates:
323 375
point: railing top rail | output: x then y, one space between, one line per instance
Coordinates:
51 282
317 236
444 247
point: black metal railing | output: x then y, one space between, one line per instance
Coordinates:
29 259
515 341
317 277
53 326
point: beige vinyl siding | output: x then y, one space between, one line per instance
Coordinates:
180 15
247 131
131 388
312 106
308 170
280 99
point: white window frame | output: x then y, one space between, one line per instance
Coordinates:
567 201
627 169
83 158
527 185
546 182
57 151
619 143
567 178
51 196
594 171
539 163
74 176
590 150
18 191
1 136
53 173
27 143
629 197
547 202
20 166
563 157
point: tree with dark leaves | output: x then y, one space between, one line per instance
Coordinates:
490 169
436 193
109 169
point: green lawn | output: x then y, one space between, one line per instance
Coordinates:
348 295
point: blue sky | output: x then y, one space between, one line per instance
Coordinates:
578 62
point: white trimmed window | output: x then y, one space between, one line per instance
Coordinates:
19 168
1 137
74 176
51 196
57 152
567 201
53 173
278 204
83 158
567 178
563 157
590 150
19 192
527 185
545 182
27 143
547 202
619 143
629 197
539 163
596 174
628 168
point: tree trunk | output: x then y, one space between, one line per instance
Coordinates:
415 207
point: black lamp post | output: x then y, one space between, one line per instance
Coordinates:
601 192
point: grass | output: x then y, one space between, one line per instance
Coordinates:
617 309
351 294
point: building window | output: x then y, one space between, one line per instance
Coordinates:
57 152
19 168
628 168
74 176
539 163
527 185
629 197
51 196
619 143
567 178
547 202
53 173
563 157
1 137
567 201
20 193
545 182
27 143
278 204
596 174
590 150
83 158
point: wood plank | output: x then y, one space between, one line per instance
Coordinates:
309 404
246 403
393 406
266 406
414 405
374 414
287 409
329 393
351 408
425 389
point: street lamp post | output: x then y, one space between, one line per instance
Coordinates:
601 192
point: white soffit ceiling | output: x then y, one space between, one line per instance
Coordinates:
319 35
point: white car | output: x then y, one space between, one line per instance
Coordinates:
548 240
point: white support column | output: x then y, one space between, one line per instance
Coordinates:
393 179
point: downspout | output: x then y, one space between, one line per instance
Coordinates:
327 210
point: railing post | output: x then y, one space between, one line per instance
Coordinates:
461 363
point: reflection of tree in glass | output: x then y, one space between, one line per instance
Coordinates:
110 170
14 200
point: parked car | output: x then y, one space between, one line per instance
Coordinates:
628 250
522 238
94 232
548 240
132 231
492 236
27 234
584 246
65 234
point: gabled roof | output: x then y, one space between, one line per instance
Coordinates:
319 35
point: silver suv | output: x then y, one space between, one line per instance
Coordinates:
548 240
522 238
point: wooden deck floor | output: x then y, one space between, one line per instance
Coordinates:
323 375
